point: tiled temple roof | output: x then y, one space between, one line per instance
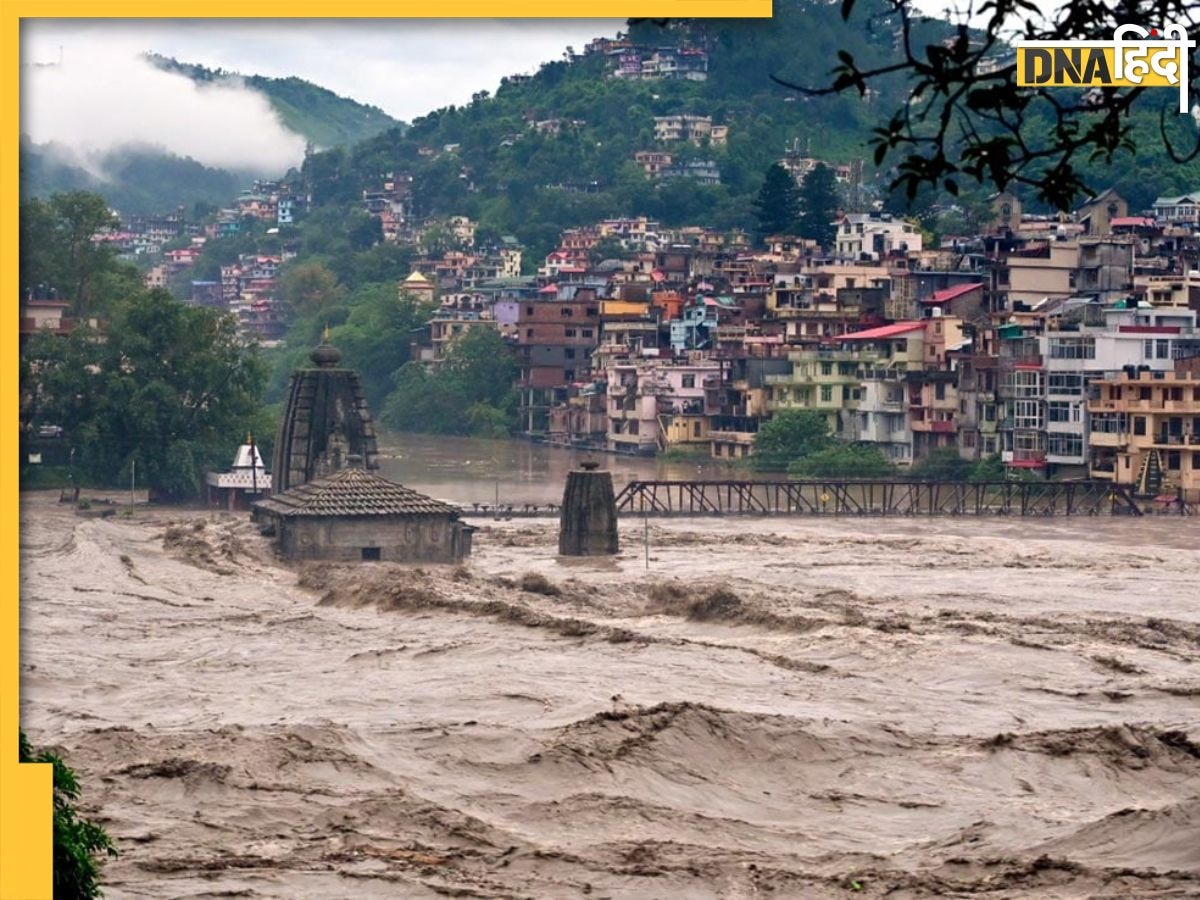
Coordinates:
354 492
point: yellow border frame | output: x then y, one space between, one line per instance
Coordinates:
25 790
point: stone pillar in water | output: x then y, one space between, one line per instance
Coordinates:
588 526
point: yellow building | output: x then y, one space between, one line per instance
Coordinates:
1145 433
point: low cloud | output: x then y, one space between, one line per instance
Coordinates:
100 99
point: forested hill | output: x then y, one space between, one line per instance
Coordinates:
557 149
142 179
317 114
136 179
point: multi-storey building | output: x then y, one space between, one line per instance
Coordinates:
555 340
875 236
1145 433
655 404
880 414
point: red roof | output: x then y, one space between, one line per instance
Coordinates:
1132 220
884 331
549 289
945 296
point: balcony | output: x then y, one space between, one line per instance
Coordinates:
1024 459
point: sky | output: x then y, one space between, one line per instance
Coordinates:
103 94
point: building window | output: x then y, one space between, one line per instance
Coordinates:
528 332
567 311
939 391
568 332
1065 445
689 381
587 333
1065 383
1027 414
370 553
826 368
529 310
569 353
826 393
695 429
1139 425
1072 348
1162 349
1173 461
568 374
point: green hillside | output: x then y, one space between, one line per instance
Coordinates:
491 161
317 114
140 180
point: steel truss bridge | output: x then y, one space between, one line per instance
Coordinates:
875 498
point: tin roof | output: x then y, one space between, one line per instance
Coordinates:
884 331
354 492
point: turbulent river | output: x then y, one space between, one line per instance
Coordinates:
470 470
770 707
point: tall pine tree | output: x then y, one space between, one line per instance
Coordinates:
777 205
819 205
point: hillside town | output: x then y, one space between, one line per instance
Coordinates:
1066 345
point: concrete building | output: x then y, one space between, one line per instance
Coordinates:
555 340
655 404
1181 210
880 415
863 237
354 515
1145 433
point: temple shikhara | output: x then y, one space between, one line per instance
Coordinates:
329 502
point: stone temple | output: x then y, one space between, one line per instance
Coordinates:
325 422
327 504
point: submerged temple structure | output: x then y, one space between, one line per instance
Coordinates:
325 422
327 504
588 523
355 515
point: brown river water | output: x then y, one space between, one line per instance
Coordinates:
764 707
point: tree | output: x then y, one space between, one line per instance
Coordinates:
840 460
470 392
966 115
77 841
168 388
819 206
609 247
942 464
777 206
789 434
59 250
310 289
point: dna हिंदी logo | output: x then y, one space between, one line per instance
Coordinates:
1134 57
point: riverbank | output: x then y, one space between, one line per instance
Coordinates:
809 709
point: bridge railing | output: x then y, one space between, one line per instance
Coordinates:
874 498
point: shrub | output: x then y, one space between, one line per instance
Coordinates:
77 841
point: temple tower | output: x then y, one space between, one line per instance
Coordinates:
588 522
325 422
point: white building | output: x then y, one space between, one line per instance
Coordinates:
863 237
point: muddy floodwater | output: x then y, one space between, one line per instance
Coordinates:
775 707
470 470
